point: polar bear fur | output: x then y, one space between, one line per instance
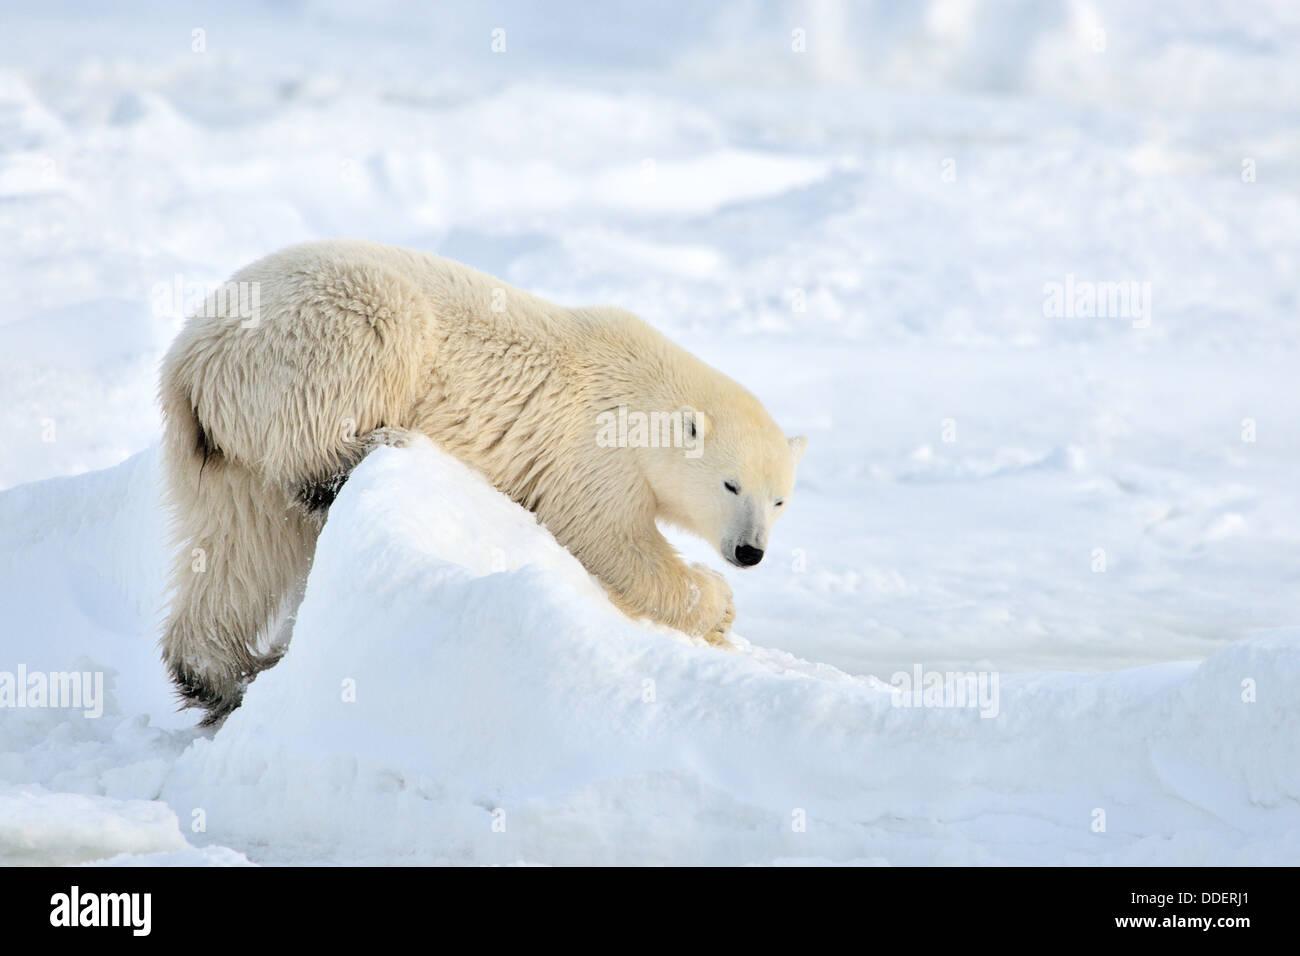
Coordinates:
355 344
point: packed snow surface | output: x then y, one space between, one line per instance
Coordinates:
1093 515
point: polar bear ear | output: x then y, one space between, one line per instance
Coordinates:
696 423
798 445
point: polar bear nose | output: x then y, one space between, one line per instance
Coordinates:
747 556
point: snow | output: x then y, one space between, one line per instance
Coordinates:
458 688
37 826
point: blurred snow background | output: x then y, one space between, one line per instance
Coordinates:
854 209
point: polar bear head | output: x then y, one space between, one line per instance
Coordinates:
730 477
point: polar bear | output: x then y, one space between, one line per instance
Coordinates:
290 373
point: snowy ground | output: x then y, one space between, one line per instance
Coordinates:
862 233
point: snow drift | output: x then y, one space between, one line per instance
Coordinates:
460 690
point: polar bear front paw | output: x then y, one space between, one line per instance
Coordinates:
722 632
710 605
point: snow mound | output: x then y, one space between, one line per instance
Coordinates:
459 690
191 856
37 826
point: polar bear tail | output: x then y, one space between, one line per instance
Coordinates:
243 546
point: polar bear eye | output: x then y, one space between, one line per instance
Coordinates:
730 486
780 502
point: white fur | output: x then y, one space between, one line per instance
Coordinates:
357 343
